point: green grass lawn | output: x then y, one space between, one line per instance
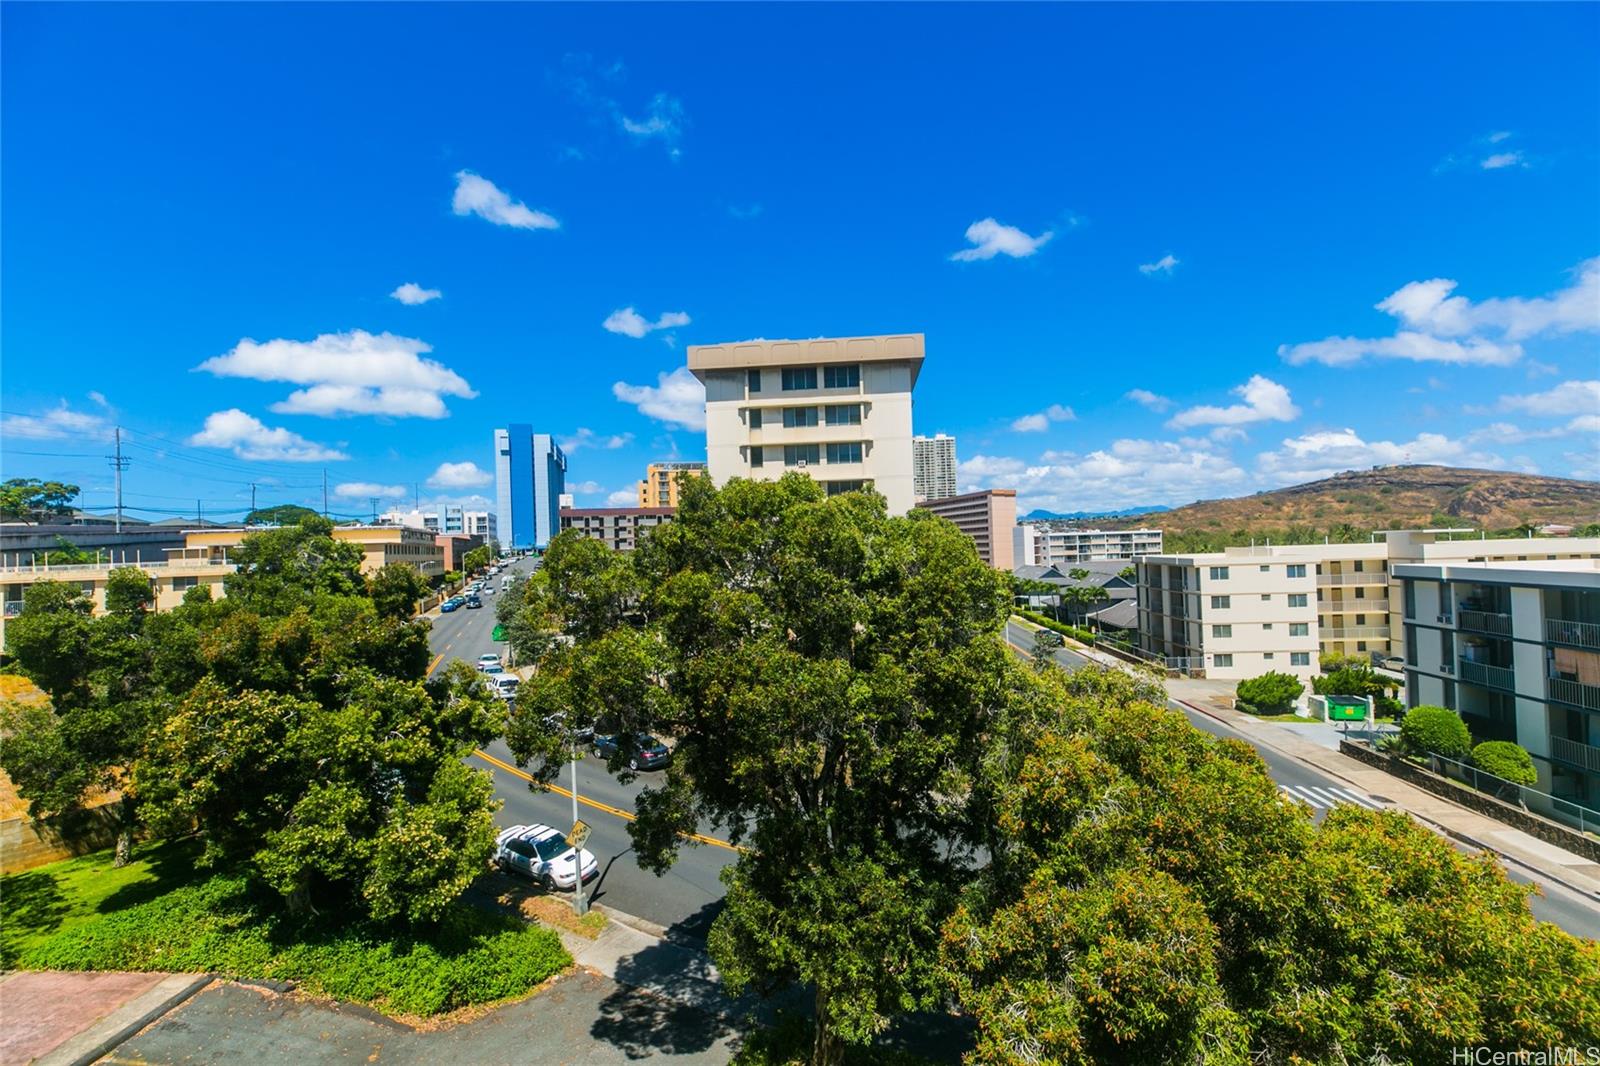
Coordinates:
162 913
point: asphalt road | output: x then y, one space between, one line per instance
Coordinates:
1570 910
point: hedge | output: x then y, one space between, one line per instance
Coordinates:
1271 693
1082 636
1505 760
1436 731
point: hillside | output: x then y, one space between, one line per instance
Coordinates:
1395 497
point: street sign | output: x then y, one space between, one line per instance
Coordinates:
579 835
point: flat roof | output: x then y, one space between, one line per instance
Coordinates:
755 354
602 512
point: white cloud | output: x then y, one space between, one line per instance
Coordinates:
677 399
664 121
588 438
1503 159
1038 423
348 373
248 438
1497 136
990 239
1164 265
631 323
360 490
585 488
1488 330
411 294
59 423
482 197
1146 398
623 498
1328 452
1130 473
459 476
988 467
1264 401
99 398
1567 398
1223 434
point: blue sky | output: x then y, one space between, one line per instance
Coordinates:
1159 253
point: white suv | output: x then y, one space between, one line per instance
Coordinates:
544 855
486 661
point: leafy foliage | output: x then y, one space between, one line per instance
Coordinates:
1506 760
395 590
1431 730
283 514
27 499
1271 693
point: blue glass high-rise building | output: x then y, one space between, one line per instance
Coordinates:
530 475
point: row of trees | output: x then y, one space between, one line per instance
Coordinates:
290 724
922 816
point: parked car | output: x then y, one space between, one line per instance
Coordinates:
486 660
452 604
648 752
473 601
543 854
505 686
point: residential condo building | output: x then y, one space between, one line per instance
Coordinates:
1514 647
835 408
1052 542
619 528
933 467
530 475
448 519
660 485
987 517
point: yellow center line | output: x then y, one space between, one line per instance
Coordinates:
437 659
627 816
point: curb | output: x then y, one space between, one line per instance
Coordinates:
93 1043
1437 827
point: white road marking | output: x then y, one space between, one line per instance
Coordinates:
1323 798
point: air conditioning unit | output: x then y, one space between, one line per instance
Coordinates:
1441 618
802 465
1446 668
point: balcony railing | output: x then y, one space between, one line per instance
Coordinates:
1353 632
1366 577
1500 677
1576 693
1582 634
1576 752
1353 606
1484 622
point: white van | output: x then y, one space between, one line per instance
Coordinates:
505 686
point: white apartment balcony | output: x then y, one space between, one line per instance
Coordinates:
818 434
1576 752
1353 632
1579 634
1484 622
1495 677
1576 693
1353 606
1374 577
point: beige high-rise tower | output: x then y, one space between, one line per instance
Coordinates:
836 408
660 485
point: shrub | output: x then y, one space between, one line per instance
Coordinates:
1271 693
1505 760
1082 636
1436 731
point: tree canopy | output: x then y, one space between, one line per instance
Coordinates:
27 499
283 514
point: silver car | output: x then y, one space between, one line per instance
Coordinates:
543 854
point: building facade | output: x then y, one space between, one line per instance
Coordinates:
619 528
1047 542
933 467
987 517
1514 648
530 476
835 408
660 485
455 547
448 519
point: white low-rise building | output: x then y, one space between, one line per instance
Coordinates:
1051 542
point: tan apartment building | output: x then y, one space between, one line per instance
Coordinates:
380 546
660 485
619 528
1354 598
835 408
987 517
169 581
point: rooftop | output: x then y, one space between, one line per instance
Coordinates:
746 355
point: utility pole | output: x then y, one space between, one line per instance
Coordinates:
374 501
198 520
324 492
416 496
252 497
118 463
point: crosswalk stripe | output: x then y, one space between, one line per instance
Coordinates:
1323 798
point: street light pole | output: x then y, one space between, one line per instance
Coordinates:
580 905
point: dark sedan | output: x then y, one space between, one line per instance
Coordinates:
648 752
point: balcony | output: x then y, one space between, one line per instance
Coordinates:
1353 633
1366 577
1353 606
1576 752
1484 622
1576 693
1496 677
1578 634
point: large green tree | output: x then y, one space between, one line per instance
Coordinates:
829 675
28 499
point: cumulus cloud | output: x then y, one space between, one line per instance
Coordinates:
459 476
1264 401
479 196
411 294
1164 265
355 373
1129 473
623 498
360 490
1440 327
588 438
248 438
591 85
663 120
1146 398
58 423
1567 398
1039 422
1328 452
990 238
677 398
585 488
631 323
1500 160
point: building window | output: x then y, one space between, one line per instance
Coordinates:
758 456
752 378
1446 613
1265 568
1219 573
1297 569
799 377
846 452
1361 593
841 377
1222 660
1299 658
799 416
181 584
1297 599
1358 566
1222 631
755 418
1220 602
795 454
1411 600
844 414
1450 694
1267 655
836 487
1299 629
1266 596
1411 645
